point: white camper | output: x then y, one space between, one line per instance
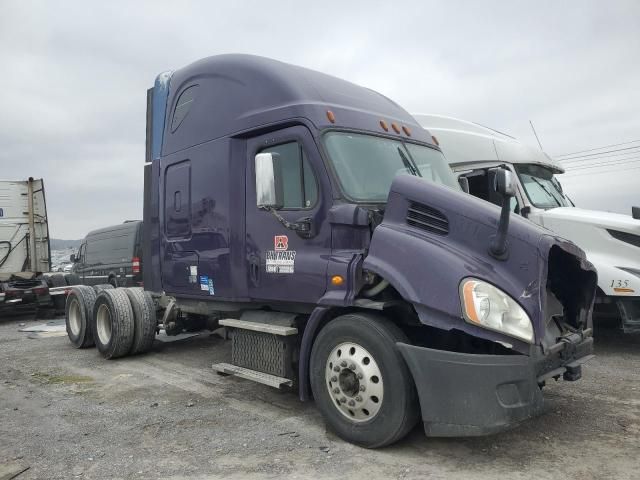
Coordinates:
611 241
24 243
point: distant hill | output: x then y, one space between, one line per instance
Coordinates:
57 244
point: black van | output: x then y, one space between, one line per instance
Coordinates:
111 255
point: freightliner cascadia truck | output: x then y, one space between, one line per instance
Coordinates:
323 228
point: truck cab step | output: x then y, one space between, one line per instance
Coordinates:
273 328
248 374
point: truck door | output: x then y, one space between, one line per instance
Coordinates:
283 265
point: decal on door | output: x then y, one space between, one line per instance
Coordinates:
281 243
280 259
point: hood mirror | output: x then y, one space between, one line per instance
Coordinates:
504 184
464 184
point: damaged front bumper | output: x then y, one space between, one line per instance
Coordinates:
463 394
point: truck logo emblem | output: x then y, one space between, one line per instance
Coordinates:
281 243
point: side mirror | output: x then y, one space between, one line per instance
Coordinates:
269 193
635 212
72 258
504 184
464 184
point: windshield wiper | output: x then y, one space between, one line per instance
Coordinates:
408 164
545 189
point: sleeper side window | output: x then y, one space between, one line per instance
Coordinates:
299 186
183 105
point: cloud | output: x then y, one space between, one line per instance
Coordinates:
75 76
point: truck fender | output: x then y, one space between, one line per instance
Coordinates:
312 327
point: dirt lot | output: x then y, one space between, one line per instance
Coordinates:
67 413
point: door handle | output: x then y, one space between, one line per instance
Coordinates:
254 269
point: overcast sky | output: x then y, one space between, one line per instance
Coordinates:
74 79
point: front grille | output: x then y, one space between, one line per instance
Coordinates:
426 218
625 237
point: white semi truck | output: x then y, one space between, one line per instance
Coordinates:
611 241
24 244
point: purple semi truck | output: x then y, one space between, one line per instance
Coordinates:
322 227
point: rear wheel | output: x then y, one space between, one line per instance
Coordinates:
360 381
113 324
145 321
78 315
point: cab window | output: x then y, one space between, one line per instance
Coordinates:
299 185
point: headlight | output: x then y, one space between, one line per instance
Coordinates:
489 307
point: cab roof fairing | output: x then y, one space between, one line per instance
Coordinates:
465 142
239 93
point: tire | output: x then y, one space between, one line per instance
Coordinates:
379 407
72 279
78 313
113 326
144 319
102 286
57 280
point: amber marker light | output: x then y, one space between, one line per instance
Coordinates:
435 140
406 131
337 280
623 290
384 126
395 128
469 309
331 116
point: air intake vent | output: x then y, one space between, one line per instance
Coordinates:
625 237
427 218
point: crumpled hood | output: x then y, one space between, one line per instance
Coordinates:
426 262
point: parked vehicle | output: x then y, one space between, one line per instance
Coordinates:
24 244
111 255
318 223
611 241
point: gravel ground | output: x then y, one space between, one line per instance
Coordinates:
67 413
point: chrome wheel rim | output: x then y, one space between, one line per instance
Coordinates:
354 381
75 317
103 324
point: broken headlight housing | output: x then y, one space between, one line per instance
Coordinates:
489 307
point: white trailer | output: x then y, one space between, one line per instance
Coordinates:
610 240
24 243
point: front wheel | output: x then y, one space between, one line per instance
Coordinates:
360 381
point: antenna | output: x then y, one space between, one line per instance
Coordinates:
534 132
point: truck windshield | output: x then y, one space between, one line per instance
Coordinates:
366 165
542 188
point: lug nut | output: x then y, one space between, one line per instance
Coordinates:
358 398
336 390
343 400
362 388
343 364
352 366
352 403
359 376
334 379
336 369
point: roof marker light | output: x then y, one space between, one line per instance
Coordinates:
406 131
331 116
435 140
383 124
395 128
